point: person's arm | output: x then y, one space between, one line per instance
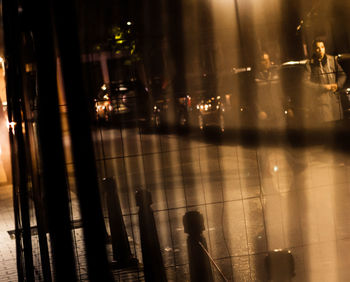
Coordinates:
340 75
314 86
317 86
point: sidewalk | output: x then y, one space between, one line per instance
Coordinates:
8 269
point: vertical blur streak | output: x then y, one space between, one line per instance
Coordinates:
246 58
213 70
14 90
199 44
155 175
50 136
133 163
175 33
79 123
234 36
207 49
174 195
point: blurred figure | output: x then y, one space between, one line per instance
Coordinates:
265 69
324 78
269 103
4 146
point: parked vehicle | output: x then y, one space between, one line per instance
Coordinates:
211 113
124 103
172 112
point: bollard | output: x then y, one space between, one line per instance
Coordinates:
120 244
152 258
200 268
280 265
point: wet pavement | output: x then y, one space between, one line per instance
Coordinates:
253 200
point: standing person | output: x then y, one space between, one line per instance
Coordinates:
325 77
269 101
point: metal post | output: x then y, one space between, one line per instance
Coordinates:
200 268
120 243
152 257
280 265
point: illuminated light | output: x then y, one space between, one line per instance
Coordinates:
218 97
213 98
249 68
275 168
105 96
242 109
120 41
285 112
104 87
291 63
128 23
122 88
217 106
118 36
155 107
10 125
201 107
4 103
197 107
206 107
277 250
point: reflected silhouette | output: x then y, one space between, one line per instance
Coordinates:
5 172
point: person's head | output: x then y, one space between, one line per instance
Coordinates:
319 49
264 62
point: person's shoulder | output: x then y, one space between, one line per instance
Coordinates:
308 63
331 58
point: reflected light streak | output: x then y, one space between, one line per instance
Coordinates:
11 126
2 62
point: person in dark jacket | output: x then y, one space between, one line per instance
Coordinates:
269 99
325 77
